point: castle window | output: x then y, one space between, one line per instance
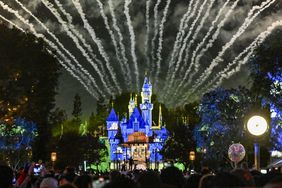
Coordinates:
135 125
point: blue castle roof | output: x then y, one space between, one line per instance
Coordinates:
112 116
136 115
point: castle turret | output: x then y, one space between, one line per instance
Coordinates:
131 105
146 105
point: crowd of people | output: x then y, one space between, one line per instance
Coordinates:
37 176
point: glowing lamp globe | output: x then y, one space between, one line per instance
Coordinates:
236 152
257 125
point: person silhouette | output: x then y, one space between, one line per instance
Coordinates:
131 162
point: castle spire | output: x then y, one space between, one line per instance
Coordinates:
135 100
160 117
131 105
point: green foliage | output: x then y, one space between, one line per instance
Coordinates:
74 142
97 123
16 141
83 128
28 81
102 164
56 120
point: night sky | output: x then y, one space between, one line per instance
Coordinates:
186 47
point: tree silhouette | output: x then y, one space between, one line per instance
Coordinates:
76 112
28 82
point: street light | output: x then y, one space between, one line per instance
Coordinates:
53 158
257 126
192 157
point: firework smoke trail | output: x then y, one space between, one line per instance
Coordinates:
122 47
179 37
110 31
71 69
180 34
97 41
156 12
209 45
52 45
159 50
184 45
75 40
201 44
11 23
191 12
16 13
57 41
146 47
207 14
81 38
132 39
214 37
226 72
241 30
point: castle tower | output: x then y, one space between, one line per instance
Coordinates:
131 105
112 128
146 105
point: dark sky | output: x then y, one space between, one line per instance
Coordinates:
186 47
68 87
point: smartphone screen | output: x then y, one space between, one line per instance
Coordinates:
37 169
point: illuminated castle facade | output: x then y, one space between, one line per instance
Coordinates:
137 138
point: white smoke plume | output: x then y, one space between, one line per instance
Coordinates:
161 31
98 42
132 39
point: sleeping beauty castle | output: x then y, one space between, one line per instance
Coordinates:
137 140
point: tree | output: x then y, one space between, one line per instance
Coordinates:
28 82
57 120
73 145
16 141
73 149
179 144
76 107
222 114
97 122
266 69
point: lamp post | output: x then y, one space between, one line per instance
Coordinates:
53 158
192 157
257 126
